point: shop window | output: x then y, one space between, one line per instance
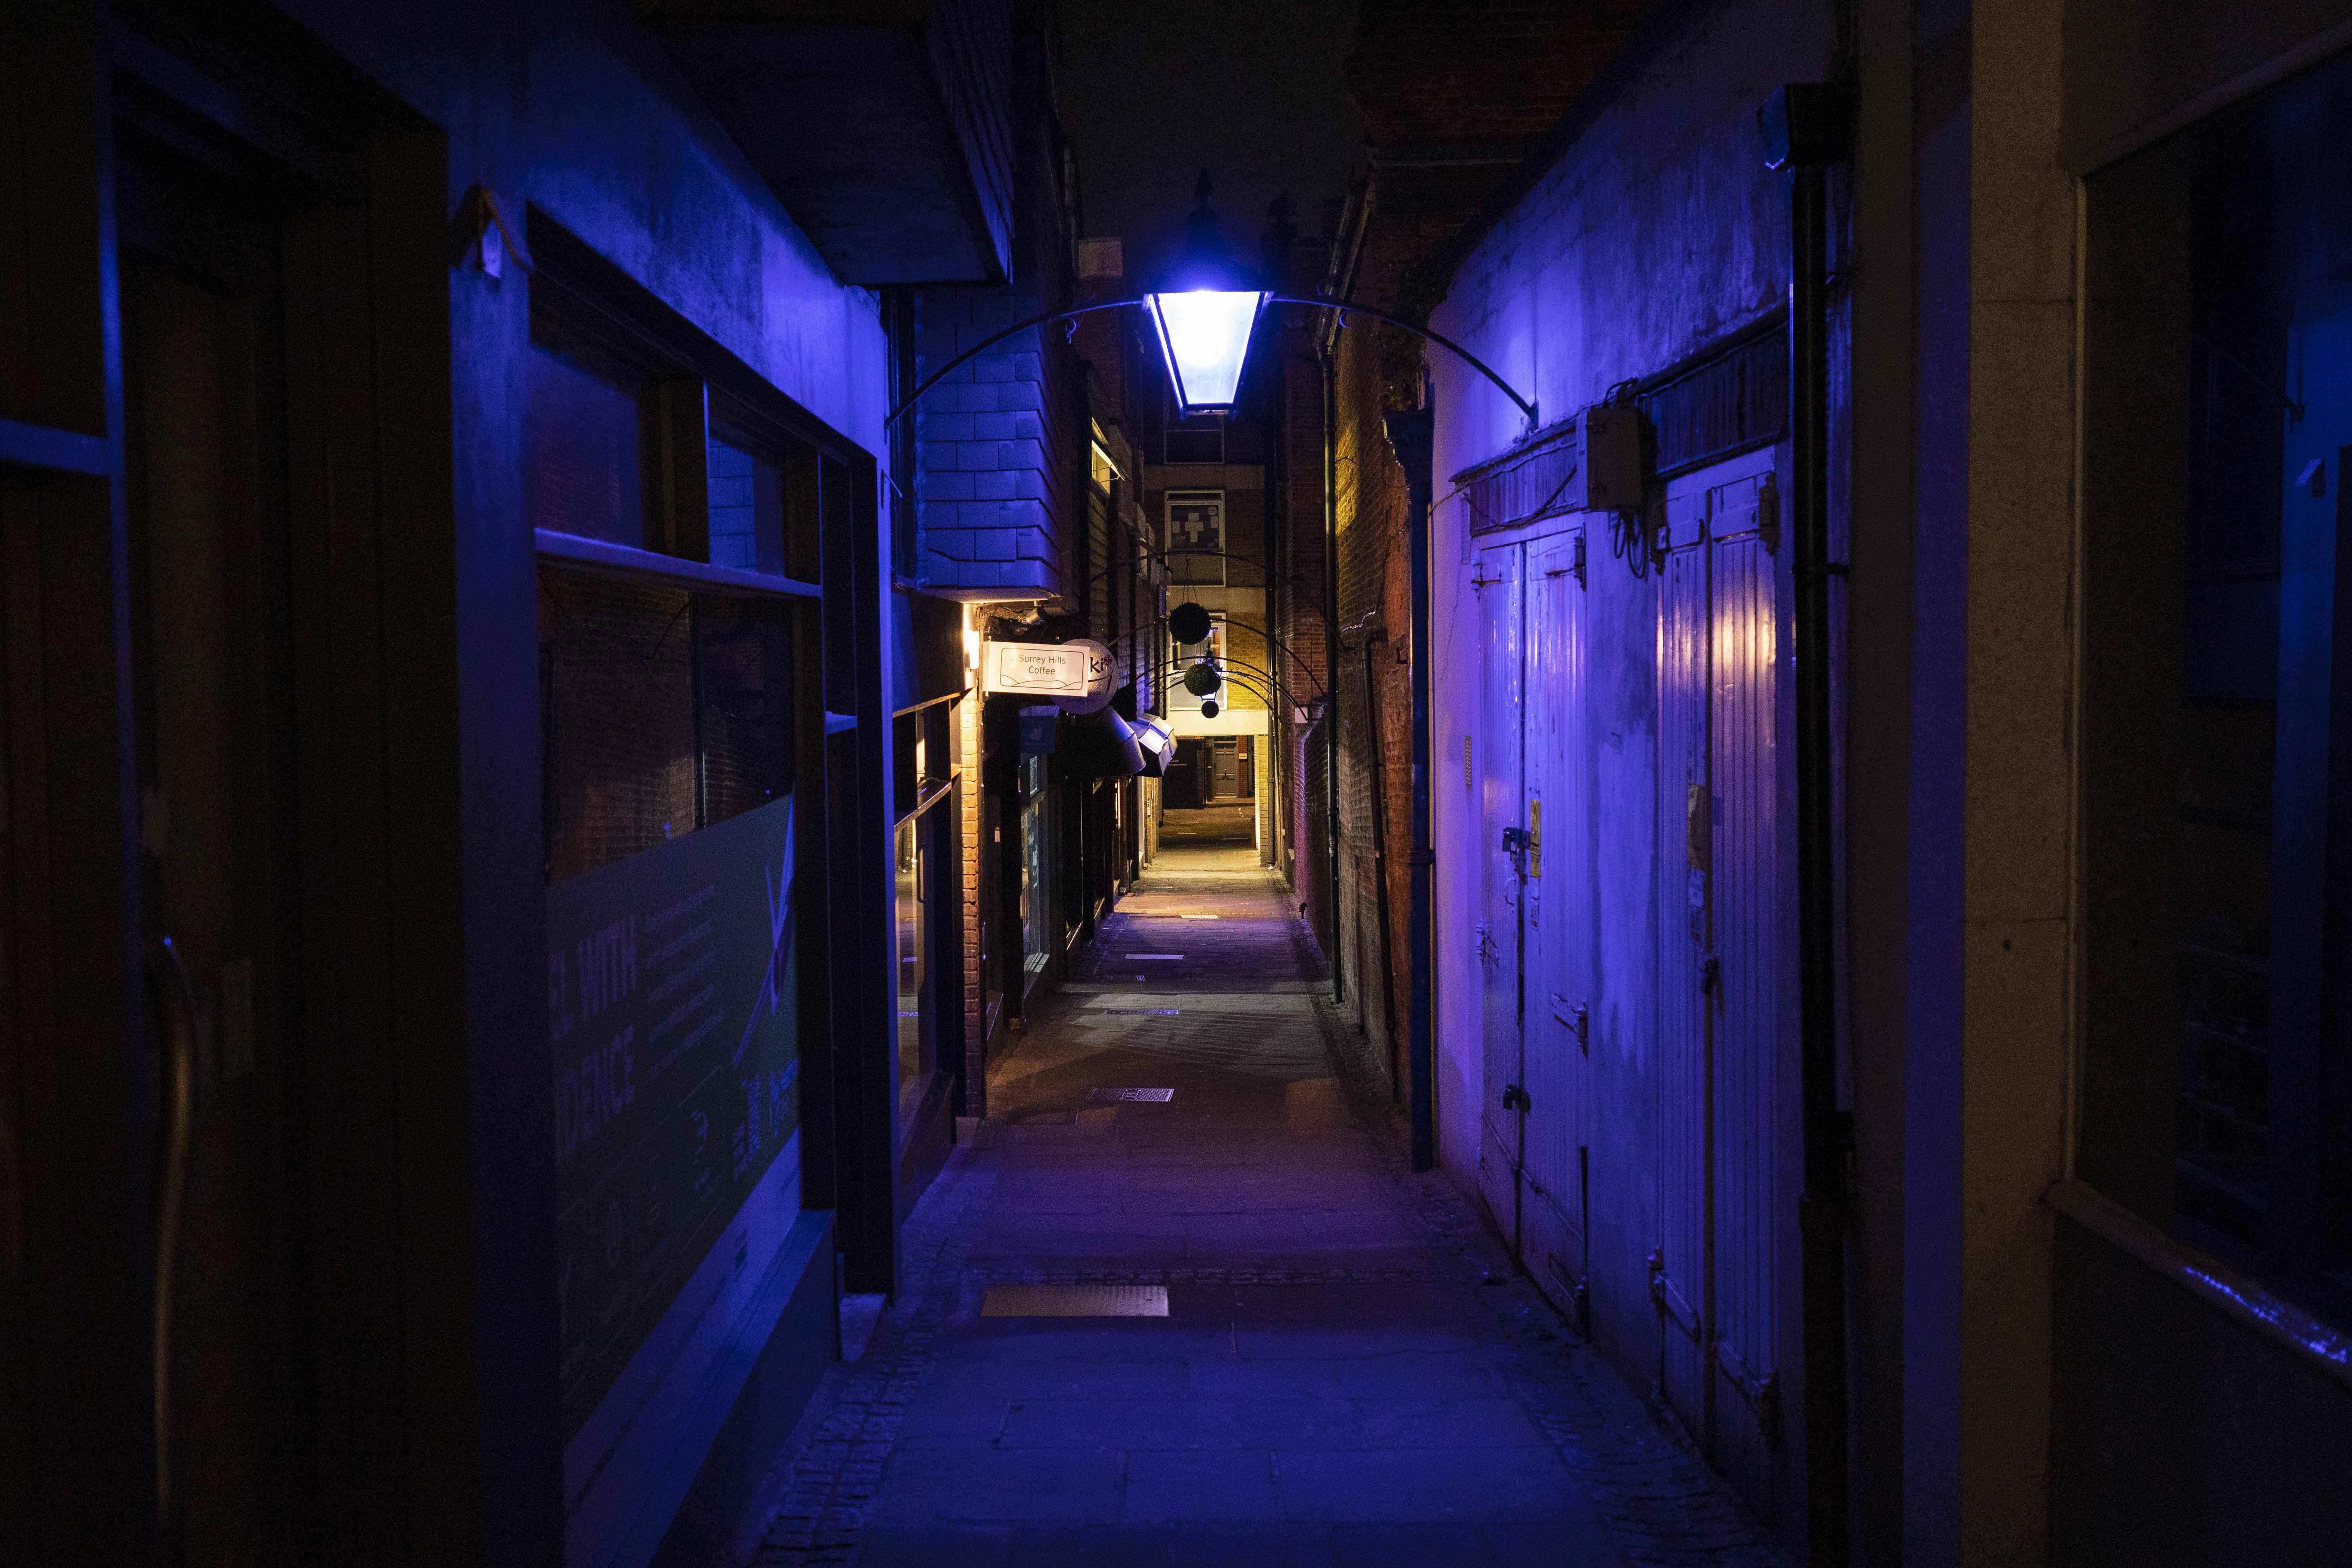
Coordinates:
638 432
675 923
925 892
584 428
992 979
1036 902
910 862
747 505
2217 695
743 705
1102 471
661 712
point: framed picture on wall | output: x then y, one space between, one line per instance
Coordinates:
1196 536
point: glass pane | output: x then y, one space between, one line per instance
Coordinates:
1036 899
616 687
2218 805
661 712
747 509
744 698
583 437
909 902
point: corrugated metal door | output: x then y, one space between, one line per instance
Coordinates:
1682 1265
1502 1126
1750 1209
1558 906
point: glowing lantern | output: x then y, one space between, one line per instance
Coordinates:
1203 313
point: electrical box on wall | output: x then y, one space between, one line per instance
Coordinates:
1591 461
1610 477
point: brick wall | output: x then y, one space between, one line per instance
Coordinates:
1374 691
972 820
999 445
1444 72
993 447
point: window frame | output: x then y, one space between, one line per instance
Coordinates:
2149 452
1167 503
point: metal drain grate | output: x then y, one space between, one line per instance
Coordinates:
1120 1096
1074 1302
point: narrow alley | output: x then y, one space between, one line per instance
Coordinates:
1180 1302
1346 784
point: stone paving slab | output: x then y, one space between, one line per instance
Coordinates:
1348 1375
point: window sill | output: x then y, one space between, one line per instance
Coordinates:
929 794
598 554
2214 1283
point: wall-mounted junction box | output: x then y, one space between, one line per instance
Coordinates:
1609 476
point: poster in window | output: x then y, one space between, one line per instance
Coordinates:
672 1011
1196 536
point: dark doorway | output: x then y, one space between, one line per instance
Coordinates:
209 669
1188 777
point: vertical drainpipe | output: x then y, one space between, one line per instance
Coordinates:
1805 128
1327 356
1412 435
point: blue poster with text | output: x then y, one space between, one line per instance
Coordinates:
671 992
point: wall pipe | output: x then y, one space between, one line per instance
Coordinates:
1805 131
1413 436
1327 357
1373 645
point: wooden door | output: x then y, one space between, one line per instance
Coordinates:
1754 1206
1502 1125
1557 911
1227 780
1682 1262
1727 1203
211 672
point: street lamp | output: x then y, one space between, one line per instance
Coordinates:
1203 313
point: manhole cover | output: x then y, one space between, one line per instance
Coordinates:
1116 1096
1074 1302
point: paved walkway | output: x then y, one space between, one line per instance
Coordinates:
1347 1376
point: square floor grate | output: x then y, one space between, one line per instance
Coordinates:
1074 1302
1127 1096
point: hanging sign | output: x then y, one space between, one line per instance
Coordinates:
1074 676
1037 729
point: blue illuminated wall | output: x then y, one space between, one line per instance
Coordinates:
577 112
1650 232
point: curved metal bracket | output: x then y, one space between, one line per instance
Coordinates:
1348 308
1345 308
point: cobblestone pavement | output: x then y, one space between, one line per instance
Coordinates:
1349 1376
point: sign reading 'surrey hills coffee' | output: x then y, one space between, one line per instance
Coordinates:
1075 675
